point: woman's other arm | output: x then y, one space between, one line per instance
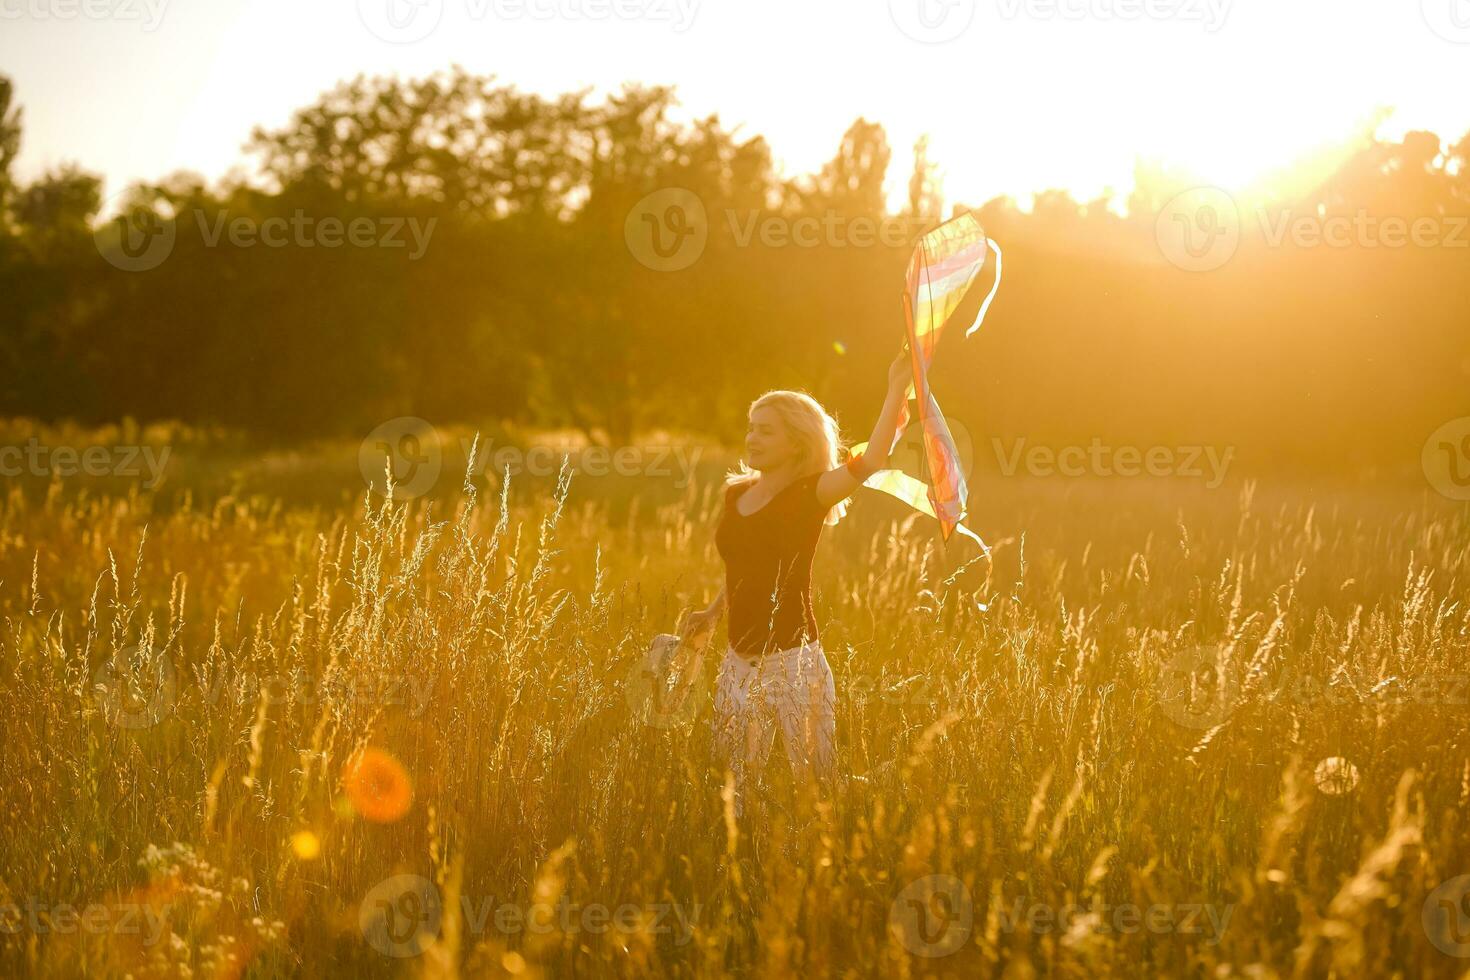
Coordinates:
707 618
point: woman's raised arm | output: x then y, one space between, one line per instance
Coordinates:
839 483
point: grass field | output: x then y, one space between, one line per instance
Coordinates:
259 722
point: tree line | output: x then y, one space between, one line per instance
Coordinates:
451 248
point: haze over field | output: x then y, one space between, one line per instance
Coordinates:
419 418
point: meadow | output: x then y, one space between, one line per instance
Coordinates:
262 721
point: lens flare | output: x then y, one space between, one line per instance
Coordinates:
378 786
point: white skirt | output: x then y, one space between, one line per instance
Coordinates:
790 689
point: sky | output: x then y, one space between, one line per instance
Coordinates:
1017 96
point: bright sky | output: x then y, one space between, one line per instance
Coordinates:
1032 94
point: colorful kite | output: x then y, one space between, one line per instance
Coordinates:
944 266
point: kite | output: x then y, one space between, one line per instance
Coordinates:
945 264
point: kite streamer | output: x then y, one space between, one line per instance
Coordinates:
944 266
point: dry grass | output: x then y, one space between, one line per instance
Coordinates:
1025 728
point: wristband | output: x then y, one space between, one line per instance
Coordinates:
859 467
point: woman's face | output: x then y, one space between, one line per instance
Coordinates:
768 446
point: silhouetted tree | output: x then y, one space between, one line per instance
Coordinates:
9 145
851 184
926 198
55 212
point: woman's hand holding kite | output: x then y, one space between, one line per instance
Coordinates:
869 457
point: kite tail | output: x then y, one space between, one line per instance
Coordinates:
994 288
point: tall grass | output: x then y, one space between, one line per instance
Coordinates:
1251 700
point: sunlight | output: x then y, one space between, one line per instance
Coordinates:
1004 117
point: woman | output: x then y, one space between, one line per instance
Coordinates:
774 672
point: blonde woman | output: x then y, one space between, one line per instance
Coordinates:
774 673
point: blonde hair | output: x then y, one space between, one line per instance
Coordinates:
810 427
